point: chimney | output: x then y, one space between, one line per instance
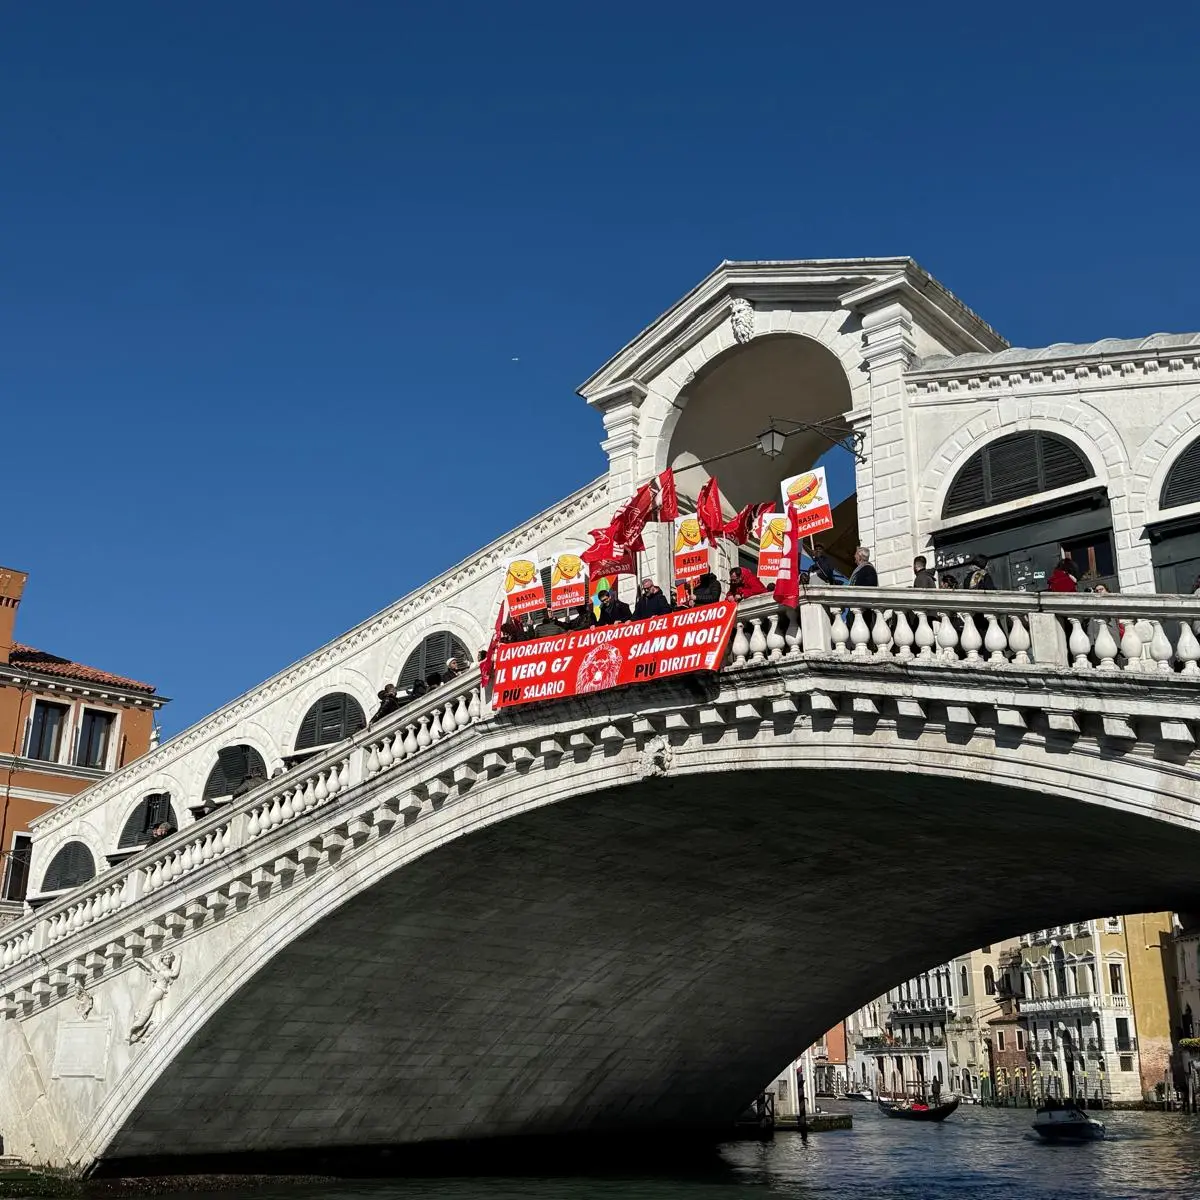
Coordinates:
12 584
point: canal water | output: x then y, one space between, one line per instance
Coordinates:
978 1154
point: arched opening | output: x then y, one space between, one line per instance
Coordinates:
239 769
331 719
989 981
1175 543
1022 536
427 663
793 380
151 812
71 866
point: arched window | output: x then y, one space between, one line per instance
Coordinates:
989 981
962 979
153 810
235 764
1020 464
70 867
430 657
332 719
1182 485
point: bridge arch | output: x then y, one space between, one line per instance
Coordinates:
616 811
789 373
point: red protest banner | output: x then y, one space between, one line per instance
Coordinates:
608 656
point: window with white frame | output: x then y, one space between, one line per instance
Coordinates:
16 868
1112 924
46 725
95 734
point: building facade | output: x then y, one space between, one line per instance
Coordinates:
63 727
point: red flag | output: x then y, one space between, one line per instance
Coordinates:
708 509
485 665
668 497
606 556
787 582
741 528
631 518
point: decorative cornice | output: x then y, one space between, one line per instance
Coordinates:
113 693
437 592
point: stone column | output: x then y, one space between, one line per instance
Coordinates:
620 406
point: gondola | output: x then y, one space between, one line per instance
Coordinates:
904 1110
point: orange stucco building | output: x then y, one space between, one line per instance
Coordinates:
63 727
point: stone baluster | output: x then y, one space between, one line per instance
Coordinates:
1079 645
970 640
860 635
462 714
1106 647
475 708
740 649
776 642
881 635
839 631
449 724
758 643
994 641
1131 647
1188 649
424 740
291 803
947 637
372 760
903 636
435 726
1161 650
924 637
794 637
385 753
1018 640
410 741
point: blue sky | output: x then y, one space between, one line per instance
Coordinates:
267 266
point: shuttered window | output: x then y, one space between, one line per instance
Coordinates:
1021 464
430 656
235 764
331 719
1183 482
153 810
70 867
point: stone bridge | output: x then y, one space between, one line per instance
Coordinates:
612 913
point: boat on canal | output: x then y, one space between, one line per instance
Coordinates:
1067 1123
859 1094
918 1110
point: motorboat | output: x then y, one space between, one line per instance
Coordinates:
918 1110
864 1093
1067 1124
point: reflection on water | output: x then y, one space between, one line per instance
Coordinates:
978 1154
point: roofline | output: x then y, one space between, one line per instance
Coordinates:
830 278
14 673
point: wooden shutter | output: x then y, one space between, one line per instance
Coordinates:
234 765
1015 466
430 656
152 811
70 867
332 719
1183 481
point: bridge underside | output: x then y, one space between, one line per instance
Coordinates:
644 958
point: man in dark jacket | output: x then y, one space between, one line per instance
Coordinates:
708 589
922 575
822 568
864 573
612 610
651 602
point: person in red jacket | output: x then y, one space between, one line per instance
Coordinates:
743 583
1061 578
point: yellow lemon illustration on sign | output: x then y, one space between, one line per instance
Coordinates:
689 534
520 574
566 568
802 491
772 534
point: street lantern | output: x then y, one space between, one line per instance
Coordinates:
770 441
